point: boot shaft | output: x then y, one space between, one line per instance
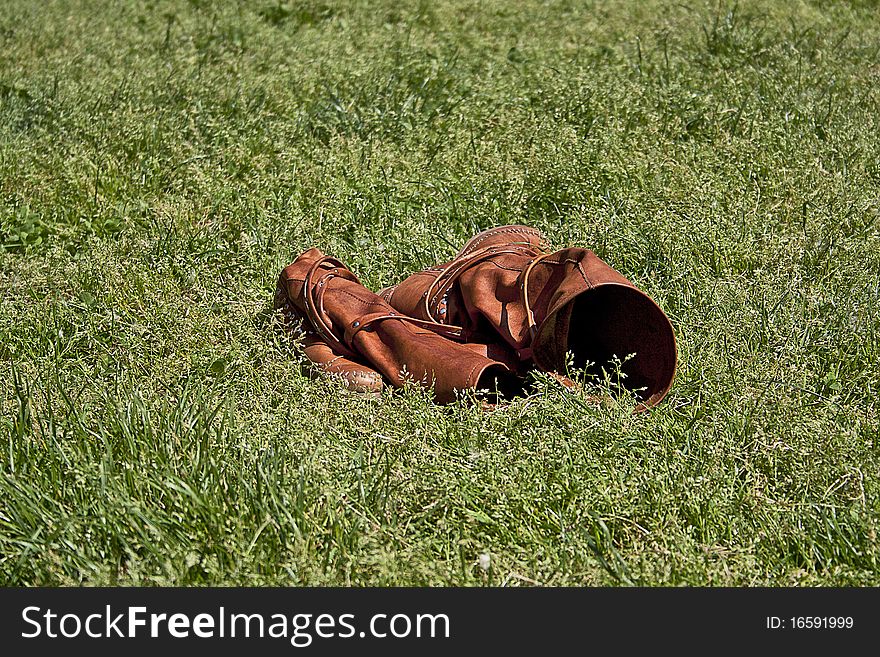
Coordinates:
357 324
506 287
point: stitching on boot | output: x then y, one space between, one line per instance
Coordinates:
369 376
470 381
358 299
388 292
574 262
501 231
584 274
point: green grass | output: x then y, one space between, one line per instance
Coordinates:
161 161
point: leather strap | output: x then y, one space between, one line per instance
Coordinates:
524 291
453 332
453 271
313 297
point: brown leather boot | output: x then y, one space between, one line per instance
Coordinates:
506 286
354 334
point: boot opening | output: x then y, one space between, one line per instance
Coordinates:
497 384
613 321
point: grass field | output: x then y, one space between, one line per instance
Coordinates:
161 161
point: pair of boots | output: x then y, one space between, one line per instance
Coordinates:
505 304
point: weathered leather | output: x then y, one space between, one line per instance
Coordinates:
506 288
354 334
